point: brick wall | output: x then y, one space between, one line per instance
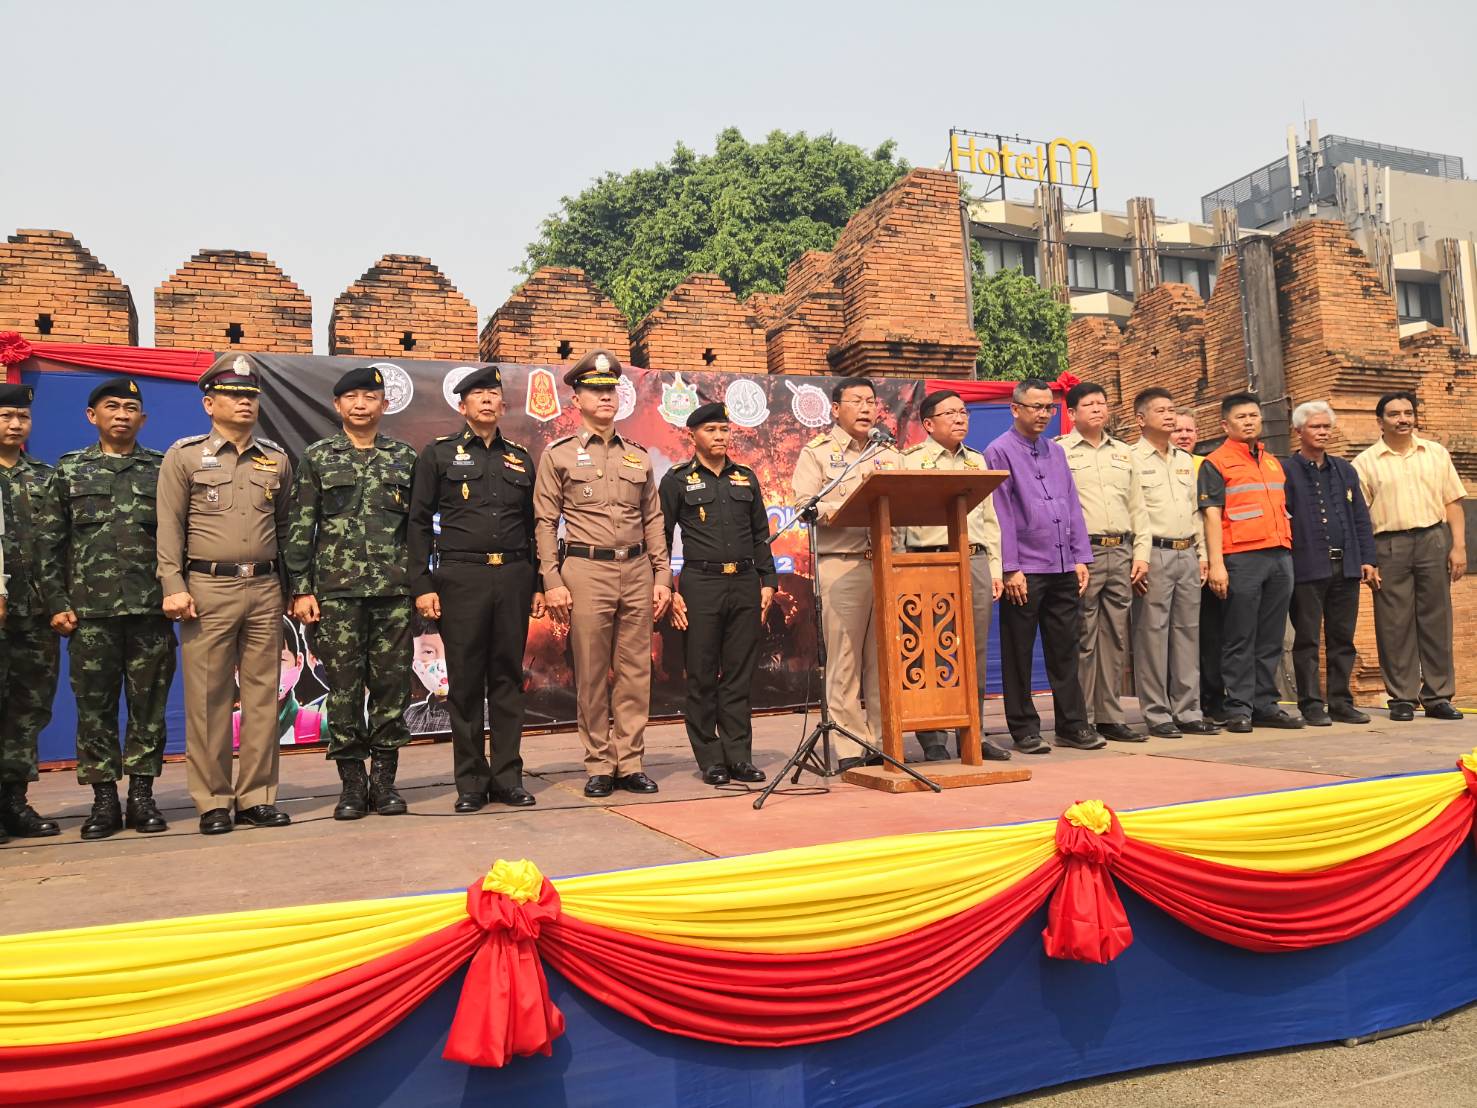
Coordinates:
403 307
1093 343
225 298
1164 345
700 325
50 274
557 315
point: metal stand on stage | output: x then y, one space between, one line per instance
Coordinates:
806 756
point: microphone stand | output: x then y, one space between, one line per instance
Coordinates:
806 756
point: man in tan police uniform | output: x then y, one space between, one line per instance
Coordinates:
222 520
946 419
844 574
1113 507
609 578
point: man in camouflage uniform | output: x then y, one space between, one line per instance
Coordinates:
347 564
104 594
29 644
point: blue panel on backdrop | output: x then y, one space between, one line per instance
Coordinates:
987 422
1020 1021
59 425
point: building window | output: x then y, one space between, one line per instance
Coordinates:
1003 254
1418 300
1091 269
1198 273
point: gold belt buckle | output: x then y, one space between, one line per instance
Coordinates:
494 559
1111 540
246 569
622 553
730 567
1183 544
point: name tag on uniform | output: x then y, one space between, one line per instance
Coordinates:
582 459
209 461
696 482
1181 472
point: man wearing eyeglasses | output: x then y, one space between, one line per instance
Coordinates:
946 419
844 572
1044 552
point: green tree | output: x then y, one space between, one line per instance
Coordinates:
1021 326
745 212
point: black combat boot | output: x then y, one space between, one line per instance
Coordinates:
143 814
19 818
353 798
106 817
382 795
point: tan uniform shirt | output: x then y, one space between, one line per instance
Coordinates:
606 493
984 525
822 459
1410 490
218 505
1108 486
1167 482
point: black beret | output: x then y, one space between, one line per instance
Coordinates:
231 373
15 396
599 369
708 413
488 378
121 387
365 377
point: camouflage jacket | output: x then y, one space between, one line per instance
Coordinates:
30 512
346 524
103 553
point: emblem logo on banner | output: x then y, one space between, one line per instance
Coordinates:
746 403
679 400
626 394
809 405
543 397
399 388
451 381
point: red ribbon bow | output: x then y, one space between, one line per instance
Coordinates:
13 348
1065 380
504 1010
1086 921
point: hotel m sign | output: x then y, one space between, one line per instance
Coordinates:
1062 161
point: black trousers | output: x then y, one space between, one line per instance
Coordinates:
484 628
1212 683
720 649
1053 606
1254 628
1330 608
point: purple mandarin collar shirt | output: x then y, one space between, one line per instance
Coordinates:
1041 524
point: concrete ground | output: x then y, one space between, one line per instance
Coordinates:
64 882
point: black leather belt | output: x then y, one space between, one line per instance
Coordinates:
1406 531
1107 540
603 554
1336 553
1173 544
743 565
974 548
232 569
488 558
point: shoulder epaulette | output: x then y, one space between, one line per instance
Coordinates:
189 439
515 445
917 446
558 442
151 451
72 453
269 444
822 437
632 442
448 438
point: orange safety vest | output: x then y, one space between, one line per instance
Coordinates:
1255 515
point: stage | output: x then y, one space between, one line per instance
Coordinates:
63 882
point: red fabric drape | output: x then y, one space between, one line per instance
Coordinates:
505 1010
142 361
1086 921
775 1000
241 1057
978 392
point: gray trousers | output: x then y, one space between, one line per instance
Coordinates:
984 606
1253 627
1412 615
1105 607
1166 639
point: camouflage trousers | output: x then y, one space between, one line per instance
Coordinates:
364 645
133 655
27 688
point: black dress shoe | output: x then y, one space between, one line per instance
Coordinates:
715 775
747 772
1315 715
935 752
1442 709
516 797
600 784
992 753
1197 727
1166 731
469 802
635 783
1402 711
263 815
1032 744
217 821
1238 725
1280 720
1086 739
852 763
1346 713
1120 733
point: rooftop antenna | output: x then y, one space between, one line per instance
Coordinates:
1294 178
1315 163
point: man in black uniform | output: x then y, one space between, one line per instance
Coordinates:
482 590
724 592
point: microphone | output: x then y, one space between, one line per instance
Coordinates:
880 435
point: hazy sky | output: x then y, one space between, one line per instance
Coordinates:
328 134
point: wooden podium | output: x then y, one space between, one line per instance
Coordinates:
924 621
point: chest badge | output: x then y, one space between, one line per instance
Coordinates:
694 479
587 492
702 514
212 495
466 492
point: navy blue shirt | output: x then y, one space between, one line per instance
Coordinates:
1328 511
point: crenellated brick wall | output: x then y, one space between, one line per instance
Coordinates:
1163 344
1093 343
557 315
403 307
700 325
52 289
233 298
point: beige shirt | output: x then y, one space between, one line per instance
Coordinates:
1409 490
1167 482
607 495
822 459
218 505
984 525
1108 486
